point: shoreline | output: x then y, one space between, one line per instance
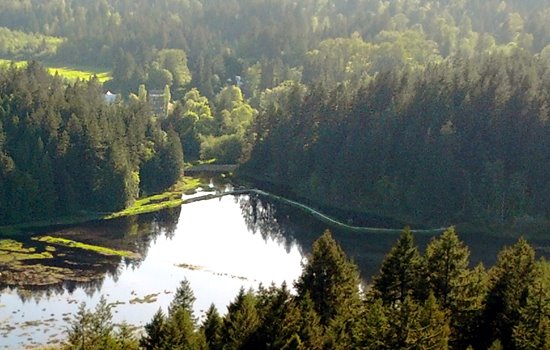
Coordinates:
535 229
149 204
172 198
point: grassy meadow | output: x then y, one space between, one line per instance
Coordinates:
70 73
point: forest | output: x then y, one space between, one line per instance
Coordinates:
429 112
65 151
434 112
426 301
457 141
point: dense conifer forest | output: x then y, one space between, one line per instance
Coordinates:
460 140
434 112
65 151
425 301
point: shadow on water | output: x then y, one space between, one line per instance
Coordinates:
273 220
76 268
212 242
287 225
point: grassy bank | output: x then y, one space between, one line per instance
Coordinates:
169 199
71 73
94 248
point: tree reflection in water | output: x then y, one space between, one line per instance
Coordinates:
88 270
289 225
273 221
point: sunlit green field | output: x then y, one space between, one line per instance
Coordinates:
69 72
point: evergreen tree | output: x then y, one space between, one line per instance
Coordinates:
212 327
92 330
418 326
373 326
279 318
125 338
399 274
184 298
331 280
468 307
510 280
310 334
533 329
240 323
457 289
155 337
447 259
180 331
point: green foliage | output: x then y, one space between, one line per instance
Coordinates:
183 298
400 272
373 327
155 333
456 288
159 77
66 151
510 280
167 160
265 42
178 330
330 280
433 326
175 62
241 322
92 330
533 328
234 115
280 319
310 334
211 328
443 82
226 149
428 145
448 259
191 118
16 44
418 326
73 244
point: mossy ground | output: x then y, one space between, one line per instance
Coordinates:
28 265
94 248
13 252
169 199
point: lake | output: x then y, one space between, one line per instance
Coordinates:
218 245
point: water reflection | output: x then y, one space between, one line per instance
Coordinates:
262 216
87 270
273 221
207 242
279 221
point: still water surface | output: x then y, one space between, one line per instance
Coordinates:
219 252
218 245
